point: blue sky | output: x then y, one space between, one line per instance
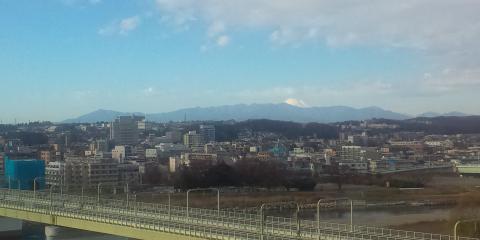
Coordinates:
64 58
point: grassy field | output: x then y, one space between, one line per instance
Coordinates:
437 189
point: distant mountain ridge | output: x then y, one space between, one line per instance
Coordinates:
448 114
100 115
241 112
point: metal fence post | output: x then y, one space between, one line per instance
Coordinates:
203 189
262 222
318 218
169 207
298 220
351 215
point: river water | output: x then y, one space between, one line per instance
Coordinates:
383 217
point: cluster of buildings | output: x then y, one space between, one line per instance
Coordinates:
123 152
133 151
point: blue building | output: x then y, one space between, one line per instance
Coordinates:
21 173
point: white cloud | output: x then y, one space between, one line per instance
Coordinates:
148 90
410 23
216 28
445 32
450 80
128 24
122 27
223 40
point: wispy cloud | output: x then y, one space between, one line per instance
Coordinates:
223 40
128 24
449 80
122 27
216 28
150 91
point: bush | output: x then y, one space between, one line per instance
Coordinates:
397 183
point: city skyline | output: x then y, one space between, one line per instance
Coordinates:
65 58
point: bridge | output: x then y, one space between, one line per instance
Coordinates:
468 169
159 221
414 169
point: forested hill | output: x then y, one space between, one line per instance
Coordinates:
288 129
437 125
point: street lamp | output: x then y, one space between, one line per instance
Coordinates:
262 216
455 228
35 183
51 198
83 190
333 200
169 201
135 208
82 196
35 186
98 192
205 189
169 205
126 190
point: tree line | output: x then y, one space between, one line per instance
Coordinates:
244 173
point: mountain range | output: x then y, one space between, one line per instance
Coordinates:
448 114
241 112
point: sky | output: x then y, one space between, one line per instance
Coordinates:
64 58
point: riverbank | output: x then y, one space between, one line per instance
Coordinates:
438 191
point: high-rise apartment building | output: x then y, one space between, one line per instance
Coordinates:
173 136
208 133
124 130
351 153
193 140
100 145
